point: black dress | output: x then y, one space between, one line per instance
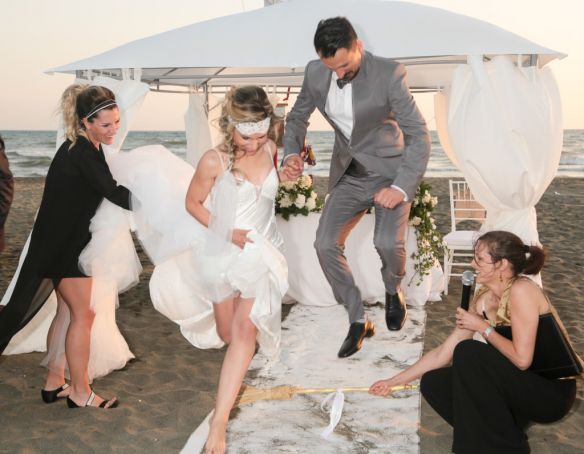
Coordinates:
77 181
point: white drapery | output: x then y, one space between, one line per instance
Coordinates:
200 125
501 125
196 129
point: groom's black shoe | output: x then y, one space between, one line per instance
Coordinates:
395 311
357 332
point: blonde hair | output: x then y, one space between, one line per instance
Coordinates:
76 102
245 104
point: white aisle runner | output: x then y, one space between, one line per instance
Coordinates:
311 337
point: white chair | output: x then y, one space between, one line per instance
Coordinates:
458 251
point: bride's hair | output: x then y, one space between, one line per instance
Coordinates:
77 101
242 105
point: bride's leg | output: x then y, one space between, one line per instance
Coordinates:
55 351
235 365
224 313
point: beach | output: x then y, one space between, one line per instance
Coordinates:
170 387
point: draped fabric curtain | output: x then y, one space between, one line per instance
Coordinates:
501 125
200 126
196 128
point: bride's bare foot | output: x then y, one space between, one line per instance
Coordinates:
216 440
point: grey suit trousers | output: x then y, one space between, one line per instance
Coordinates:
346 204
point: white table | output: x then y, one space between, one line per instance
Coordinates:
308 284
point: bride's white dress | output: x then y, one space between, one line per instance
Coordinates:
189 275
185 275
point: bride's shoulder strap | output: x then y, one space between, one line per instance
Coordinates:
220 156
271 149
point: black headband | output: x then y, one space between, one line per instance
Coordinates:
102 105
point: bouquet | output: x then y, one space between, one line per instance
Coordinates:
297 197
429 240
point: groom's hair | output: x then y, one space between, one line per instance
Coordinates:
333 34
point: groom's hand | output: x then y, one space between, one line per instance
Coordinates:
388 197
293 166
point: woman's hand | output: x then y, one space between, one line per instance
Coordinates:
381 388
239 238
470 322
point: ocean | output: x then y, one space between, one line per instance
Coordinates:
30 152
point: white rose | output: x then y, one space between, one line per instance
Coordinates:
434 238
416 220
288 185
313 195
427 197
285 201
416 202
304 181
311 204
434 201
300 201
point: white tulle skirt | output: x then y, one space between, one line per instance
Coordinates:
181 282
110 258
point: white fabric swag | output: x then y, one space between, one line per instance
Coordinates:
501 125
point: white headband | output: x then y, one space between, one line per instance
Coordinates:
252 127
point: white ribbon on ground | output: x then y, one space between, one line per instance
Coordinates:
338 401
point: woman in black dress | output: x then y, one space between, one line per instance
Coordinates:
76 183
487 394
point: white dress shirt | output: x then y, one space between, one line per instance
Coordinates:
339 108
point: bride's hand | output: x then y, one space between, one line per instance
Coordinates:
239 238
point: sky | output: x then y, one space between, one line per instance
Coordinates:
39 34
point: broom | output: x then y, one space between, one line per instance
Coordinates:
249 394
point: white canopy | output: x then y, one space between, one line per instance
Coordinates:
271 45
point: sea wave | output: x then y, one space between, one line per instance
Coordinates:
30 152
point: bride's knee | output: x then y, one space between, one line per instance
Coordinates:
224 333
244 331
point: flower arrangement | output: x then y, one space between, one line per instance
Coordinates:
429 240
297 197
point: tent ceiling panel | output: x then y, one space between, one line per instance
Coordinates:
261 47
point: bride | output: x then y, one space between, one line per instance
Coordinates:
219 272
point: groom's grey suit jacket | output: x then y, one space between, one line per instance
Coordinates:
389 137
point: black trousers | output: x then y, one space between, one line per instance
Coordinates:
489 402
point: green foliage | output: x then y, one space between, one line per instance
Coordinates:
429 240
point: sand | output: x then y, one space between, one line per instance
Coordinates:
169 388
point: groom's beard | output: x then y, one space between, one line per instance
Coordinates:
350 76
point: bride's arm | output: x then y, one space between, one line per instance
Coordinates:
283 172
208 169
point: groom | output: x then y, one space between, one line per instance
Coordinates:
380 153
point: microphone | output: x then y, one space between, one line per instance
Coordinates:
467 281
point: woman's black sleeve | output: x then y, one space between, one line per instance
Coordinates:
95 170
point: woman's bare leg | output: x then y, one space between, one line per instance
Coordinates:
56 366
235 365
76 293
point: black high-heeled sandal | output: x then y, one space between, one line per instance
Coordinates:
52 396
72 404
